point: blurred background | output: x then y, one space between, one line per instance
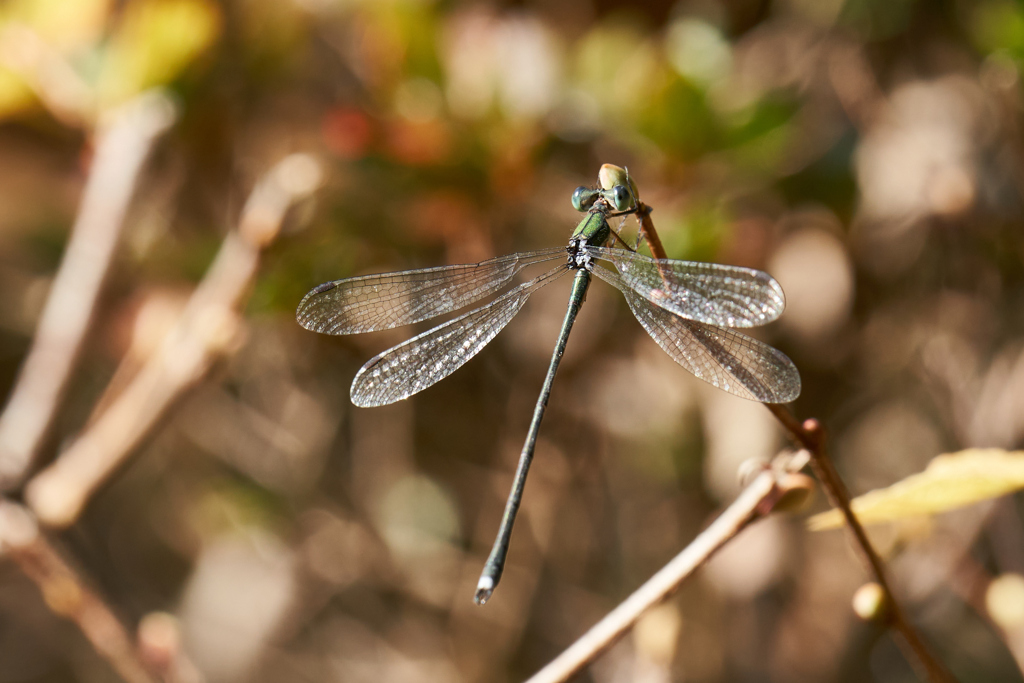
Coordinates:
866 153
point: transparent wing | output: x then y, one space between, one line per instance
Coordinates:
727 296
724 358
428 358
379 302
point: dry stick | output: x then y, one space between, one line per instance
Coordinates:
123 145
65 594
756 500
647 231
811 436
209 327
44 69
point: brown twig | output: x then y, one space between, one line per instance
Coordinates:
124 142
210 325
854 83
753 502
45 70
811 436
66 594
647 231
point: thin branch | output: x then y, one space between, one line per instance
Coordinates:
66 594
753 502
649 234
123 145
210 326
854 83
811 436
45 70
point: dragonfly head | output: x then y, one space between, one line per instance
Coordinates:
611 175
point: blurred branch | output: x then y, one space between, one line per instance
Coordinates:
854 84
209 327
65 593
54 81
755 501
124 142
159 647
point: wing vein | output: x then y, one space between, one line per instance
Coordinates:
416 364
378 302
722 357
726 296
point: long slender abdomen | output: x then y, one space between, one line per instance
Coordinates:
496 561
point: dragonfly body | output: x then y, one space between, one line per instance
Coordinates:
690 309
592 229
495 564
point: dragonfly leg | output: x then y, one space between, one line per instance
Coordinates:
618 237
642 212
639 236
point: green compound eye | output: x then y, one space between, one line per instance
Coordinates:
583 198
620 198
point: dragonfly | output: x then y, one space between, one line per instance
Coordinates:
691 309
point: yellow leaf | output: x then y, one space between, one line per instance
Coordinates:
950 481
154 41
15 96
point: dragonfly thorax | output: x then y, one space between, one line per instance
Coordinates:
593 229
579 258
